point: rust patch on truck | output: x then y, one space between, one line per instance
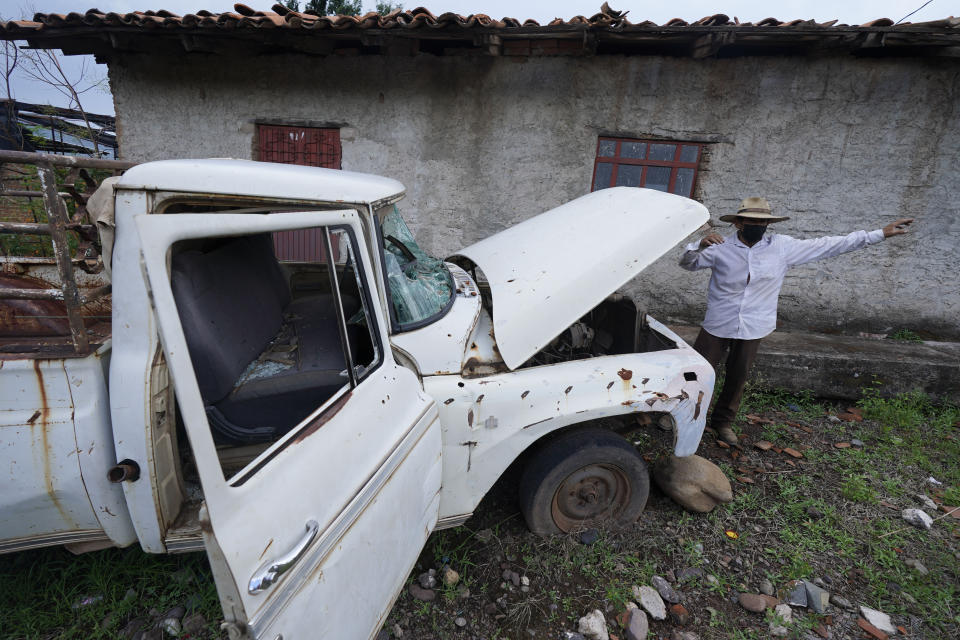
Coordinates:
626 374
264 552
47 454
696 410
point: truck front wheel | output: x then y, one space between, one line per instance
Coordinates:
583 478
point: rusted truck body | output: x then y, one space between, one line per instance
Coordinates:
308 423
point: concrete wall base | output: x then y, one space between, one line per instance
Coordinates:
841 367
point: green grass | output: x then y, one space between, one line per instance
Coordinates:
759 396
906 335
857 489
45 588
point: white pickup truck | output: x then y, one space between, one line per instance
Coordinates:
309 423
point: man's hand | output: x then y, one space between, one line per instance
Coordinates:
895 228
715 238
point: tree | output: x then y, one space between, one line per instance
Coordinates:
43 65
383 8
343 7
331 7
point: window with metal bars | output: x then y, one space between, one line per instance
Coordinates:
310 146
654 164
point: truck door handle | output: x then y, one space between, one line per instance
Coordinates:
269 573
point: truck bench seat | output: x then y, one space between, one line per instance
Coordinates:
262 362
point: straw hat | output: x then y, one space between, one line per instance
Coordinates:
756 209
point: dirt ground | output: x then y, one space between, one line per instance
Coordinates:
832 515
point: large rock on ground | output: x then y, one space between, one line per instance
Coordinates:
594 626
693 482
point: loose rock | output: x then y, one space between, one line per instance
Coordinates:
689 574
766 587
484 535
428 579
817 598
460 621
397 631
693 482
796 596
594 626
449 576
926 501
841 603
665 590
917 566
194 623
570 635
638 627
917 518
171 626
871 630
589 536
784 612
424 595
680 614
650 600
684 635
878 619
752 602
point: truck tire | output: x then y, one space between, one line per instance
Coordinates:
583 478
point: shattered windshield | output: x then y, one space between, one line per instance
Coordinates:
421 287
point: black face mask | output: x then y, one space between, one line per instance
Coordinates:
752 232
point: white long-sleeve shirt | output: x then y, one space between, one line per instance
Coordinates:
745 281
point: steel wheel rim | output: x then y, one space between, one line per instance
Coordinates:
590 494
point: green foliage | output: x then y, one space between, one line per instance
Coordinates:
383 8
34 211
327 7
856 489
906 335
340 7
758 396
93 595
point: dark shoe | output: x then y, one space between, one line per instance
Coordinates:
727 435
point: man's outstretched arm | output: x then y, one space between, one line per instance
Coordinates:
804 251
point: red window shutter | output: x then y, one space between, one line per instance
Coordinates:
308 146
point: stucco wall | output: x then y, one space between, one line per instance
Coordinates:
838 143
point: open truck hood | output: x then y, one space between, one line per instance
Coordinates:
548 271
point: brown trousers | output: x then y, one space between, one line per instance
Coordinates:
739 361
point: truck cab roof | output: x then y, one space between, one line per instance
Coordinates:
262 180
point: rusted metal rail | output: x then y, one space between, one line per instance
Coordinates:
59 223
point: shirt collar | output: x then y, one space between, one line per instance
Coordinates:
764 241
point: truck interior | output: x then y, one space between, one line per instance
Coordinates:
264 337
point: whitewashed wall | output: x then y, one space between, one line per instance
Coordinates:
837 143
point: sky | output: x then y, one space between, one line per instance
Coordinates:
846 11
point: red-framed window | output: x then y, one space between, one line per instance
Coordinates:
655 164
311 146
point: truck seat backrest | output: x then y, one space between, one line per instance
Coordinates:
231 301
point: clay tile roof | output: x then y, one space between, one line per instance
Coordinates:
87 32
